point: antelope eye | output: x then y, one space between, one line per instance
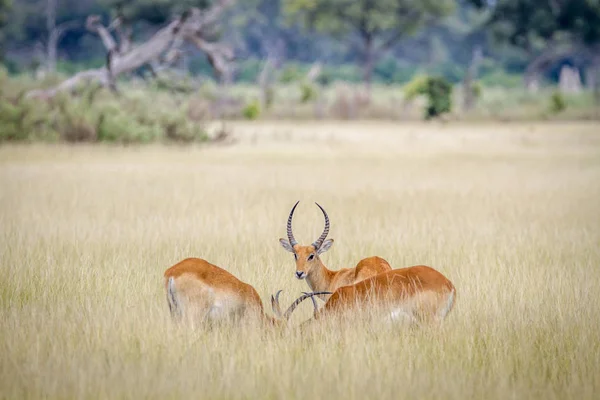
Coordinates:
311 257
295 256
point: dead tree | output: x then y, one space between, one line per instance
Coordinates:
268 73
469 90
55 33
193 26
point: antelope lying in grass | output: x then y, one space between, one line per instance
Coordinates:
206 293
310 267
418 294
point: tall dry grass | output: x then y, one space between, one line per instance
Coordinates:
510 213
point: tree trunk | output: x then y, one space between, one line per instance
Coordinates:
471 75
593 75
52 36
52 50
368 63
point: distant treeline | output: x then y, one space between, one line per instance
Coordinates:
384 41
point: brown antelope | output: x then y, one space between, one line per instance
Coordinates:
310 267
416 294
204 292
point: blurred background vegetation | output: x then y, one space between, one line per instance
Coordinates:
146 70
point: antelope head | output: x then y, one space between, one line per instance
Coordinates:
307 257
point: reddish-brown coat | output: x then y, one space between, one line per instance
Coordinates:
212 292
420 292
321 279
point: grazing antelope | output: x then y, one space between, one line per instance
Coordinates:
310 267
417 294
202 291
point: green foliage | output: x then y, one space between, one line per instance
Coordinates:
178 127
5 7
344 72
477 89
437 90
308 92
152 11
252 110
530 23
498 77
378 24
439 94
291 73
416 87
557 103
375 17
269 93
3 78
94 115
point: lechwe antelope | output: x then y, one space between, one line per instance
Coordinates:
418 294
205 293
310 267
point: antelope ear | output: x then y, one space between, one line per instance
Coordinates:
286 245
325 246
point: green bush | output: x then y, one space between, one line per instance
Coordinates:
437 90
477 89
178 128
93 114
439 94
22 119
417 86
557 103
252 110
269 97
308 92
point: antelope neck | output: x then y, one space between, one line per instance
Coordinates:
319 280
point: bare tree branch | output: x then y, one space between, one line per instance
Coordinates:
93 24
124 33
55 33
218 55
163 46
54 39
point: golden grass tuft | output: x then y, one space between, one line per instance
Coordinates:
510 213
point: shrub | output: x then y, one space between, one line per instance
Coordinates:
438 91
22 119
415 87
439 94
93 114
477 89
116 126
269 94
557 103
252 110
308 92
178 128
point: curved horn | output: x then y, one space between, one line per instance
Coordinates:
291 239
299 300
317 244
275 304
314 303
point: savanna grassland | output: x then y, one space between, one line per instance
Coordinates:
509 212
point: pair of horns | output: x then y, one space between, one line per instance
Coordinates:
277 309
316 244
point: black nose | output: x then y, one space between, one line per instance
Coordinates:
299 274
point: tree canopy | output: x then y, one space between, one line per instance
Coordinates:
387 40
375 25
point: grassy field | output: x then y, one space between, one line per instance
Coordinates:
510 213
